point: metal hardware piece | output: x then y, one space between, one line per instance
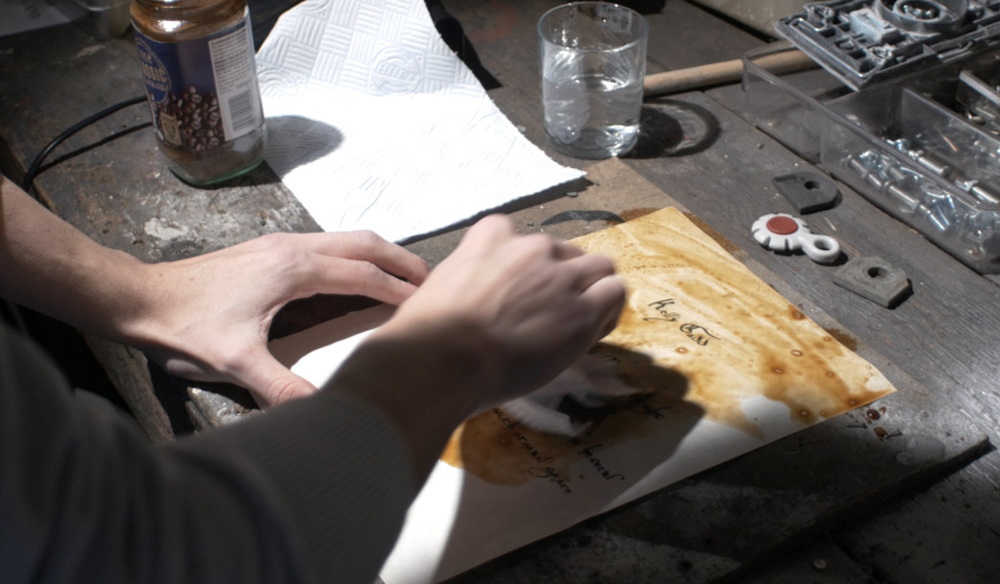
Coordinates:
875 279
808 191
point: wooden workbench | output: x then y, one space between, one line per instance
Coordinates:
840 502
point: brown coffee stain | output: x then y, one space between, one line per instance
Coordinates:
498 449
630 214
765 345
699 330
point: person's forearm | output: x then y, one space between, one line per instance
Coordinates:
51 267
205 317
312 492
426 380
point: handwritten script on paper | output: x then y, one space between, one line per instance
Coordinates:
708 362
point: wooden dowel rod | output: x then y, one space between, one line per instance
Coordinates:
724 72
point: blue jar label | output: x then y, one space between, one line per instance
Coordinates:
202 92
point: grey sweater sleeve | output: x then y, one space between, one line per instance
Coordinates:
312 491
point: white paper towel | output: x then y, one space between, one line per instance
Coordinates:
376 124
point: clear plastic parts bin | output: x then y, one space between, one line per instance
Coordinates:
913 149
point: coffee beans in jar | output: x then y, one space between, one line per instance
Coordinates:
198 62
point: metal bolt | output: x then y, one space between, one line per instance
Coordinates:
932 164
857 165
985 194
899 174
906 202
939 219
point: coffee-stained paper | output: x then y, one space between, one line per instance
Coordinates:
717 362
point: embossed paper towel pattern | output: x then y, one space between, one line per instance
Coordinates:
376 124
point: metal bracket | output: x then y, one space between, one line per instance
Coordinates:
874 279
808 191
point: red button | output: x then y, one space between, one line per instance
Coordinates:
781 225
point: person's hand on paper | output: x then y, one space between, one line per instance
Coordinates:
501 316
211 321
537 303
207 317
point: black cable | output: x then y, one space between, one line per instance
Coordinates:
109 138
36 164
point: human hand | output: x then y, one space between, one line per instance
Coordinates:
532 304
207 318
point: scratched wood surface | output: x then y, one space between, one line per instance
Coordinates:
839 482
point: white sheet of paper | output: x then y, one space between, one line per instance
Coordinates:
709 393
374 123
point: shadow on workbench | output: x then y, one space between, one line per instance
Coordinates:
670 128
528 202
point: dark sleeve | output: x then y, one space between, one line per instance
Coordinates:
312 491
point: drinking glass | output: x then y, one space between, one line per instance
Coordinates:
593 61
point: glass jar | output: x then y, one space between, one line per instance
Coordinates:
198 60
